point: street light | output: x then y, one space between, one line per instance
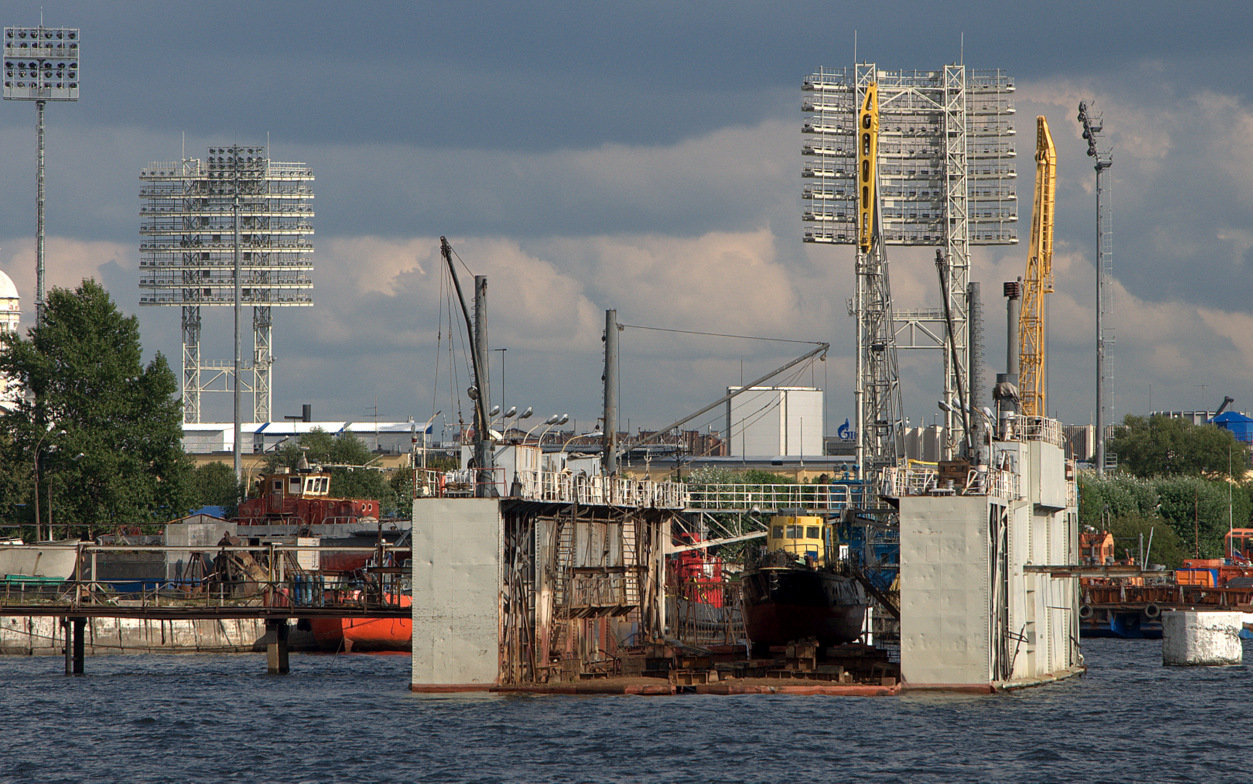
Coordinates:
594 434
559 420
38 446
552 420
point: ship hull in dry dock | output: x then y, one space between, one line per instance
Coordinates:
783 604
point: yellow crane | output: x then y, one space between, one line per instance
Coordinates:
867 163
1039 278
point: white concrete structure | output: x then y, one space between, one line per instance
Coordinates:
457 545
775 421
1199 638
10 316
973 612
210 437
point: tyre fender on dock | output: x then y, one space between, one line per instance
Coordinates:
1152 611
1085 611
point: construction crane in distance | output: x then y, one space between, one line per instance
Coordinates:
1038 281
880 435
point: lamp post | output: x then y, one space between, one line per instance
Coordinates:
561 420
502 375
38 446
561 455
552 420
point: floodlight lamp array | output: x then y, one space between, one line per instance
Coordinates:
41 63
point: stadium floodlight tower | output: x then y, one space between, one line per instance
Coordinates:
945 160
235 228
40 65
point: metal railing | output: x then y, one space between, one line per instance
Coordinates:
823 498
561 487
1038 428
925 480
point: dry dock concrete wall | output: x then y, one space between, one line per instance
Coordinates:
456 593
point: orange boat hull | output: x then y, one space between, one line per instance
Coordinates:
364 634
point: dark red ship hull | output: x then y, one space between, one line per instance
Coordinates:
783 604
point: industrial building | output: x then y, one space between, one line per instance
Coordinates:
764 421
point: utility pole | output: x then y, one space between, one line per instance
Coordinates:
609 441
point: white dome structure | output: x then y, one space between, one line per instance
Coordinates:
10 315
10 304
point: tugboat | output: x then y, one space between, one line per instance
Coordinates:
793 589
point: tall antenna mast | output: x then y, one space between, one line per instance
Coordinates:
1092 127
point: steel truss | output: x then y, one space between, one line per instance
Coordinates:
188 249
946 177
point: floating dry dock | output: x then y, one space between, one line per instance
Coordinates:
554 585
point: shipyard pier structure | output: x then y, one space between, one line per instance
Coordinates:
979 607
545 584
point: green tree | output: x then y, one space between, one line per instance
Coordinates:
214 484
1159 539
105 429
1199 510
1168 446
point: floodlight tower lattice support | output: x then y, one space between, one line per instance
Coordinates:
187 251
946 178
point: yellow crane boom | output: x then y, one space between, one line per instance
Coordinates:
867 158
1039 277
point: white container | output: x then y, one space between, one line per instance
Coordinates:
1201 638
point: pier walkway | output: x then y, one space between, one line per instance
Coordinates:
266 588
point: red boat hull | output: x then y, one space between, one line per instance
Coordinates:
364 634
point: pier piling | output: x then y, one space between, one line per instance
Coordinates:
276 632
75 630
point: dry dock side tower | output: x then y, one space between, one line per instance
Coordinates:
541 584
979 606
200 221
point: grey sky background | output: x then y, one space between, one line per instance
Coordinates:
645 157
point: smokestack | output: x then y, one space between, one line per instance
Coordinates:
1005 393
306 412
1013 293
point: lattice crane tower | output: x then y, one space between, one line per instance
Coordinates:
1032 385
946 179
195 217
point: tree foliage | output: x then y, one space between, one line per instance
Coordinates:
1161 544
1197 510
105 429
1167 446
214 484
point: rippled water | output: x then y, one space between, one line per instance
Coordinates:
352 718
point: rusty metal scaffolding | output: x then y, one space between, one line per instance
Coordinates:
580 584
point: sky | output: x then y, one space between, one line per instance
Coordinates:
643 157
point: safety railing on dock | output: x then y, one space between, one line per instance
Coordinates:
216 581
562 487
923 479
768 498
1038 428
